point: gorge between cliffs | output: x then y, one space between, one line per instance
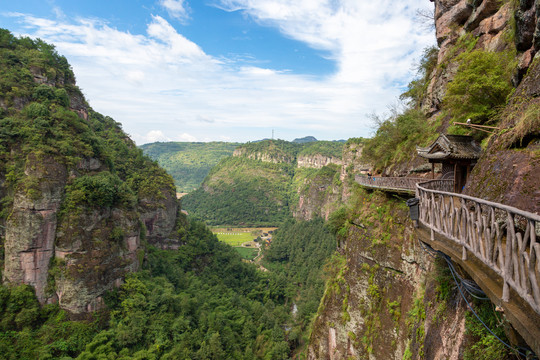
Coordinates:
101 260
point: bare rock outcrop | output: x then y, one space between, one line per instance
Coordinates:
159 216
94 250
31 227
275 157
317 161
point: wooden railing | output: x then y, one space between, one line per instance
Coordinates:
502 237
441 185
389 183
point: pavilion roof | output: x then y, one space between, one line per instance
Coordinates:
462 147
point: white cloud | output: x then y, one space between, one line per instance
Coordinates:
165 86
368 39
253 70
151 136
185 137
158 135
176 8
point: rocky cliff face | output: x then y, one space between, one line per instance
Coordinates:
75 192
383 300
505 171
274 157
509 163
318 194
322 192
317 161
380 302
31 226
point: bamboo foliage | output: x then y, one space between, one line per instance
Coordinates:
502 237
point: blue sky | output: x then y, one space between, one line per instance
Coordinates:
232 70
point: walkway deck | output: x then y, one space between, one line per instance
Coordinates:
495 243
405 185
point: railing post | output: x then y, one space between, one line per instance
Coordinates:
507 275
481 232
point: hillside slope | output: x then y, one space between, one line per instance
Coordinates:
260 184
188 162
83 217
77 196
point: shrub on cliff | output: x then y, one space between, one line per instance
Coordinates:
396 138
480 87
100 190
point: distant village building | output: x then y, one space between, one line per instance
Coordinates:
457 154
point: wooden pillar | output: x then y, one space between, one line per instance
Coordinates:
456 186
432 170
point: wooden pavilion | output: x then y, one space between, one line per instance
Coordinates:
457 154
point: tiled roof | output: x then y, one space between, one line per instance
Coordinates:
451 147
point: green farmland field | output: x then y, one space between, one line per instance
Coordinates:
247 253
235 238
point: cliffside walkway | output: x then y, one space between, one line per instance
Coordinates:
496 244
395 184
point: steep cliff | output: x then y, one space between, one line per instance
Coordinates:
317 191
77 196
386 298
509 31
381 301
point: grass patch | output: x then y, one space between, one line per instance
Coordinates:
234 238
525 130
247 253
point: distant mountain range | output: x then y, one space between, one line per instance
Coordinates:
190 162
305 139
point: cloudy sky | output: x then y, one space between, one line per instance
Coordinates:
233 70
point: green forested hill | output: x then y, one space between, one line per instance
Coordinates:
256 187
324 148
242 191
299 252
188 162
285 151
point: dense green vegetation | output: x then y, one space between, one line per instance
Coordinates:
244 190
38 125
481 86
324 148
285 151
188 162
396 138
398 135
247 253
298 254
200 302
478 91
275 149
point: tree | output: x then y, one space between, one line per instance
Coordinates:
480 87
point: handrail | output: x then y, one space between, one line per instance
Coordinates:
439 184
503 237
389 183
